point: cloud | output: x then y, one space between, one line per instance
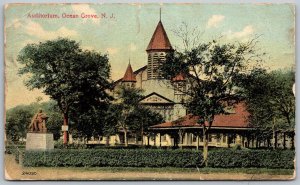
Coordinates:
214 21
248 30
112 51
132 47
35 29
85 8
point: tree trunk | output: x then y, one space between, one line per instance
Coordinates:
125 137
136 138
276 140
293 141
159 139
142 136
107 140
274 134
66 123
205 146
228 140
284 140
197 146
257 144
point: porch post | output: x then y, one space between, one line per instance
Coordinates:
159 139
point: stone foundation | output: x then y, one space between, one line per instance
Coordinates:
39 141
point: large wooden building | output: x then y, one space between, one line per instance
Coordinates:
167 97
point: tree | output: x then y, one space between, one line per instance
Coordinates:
141 119
66 73
210 69
270 101
55 119
126 103
17 121
127 114
88 122
19 118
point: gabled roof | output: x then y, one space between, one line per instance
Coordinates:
159 99
159 40
129 76
239 119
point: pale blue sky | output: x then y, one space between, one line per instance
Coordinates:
128 34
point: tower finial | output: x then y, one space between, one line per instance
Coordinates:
160 14
129 60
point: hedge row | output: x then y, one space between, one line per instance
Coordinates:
113 158
252 158
13 149
160 158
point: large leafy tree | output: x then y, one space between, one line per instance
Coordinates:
69 75
17 121
88 122
141 119
127 114
126 102
210 69
270 101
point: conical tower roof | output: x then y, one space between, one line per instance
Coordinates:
159 40
129 75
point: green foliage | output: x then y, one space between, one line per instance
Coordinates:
13 149
222 158
19 118
210 69
17 121
77 80
113 158
269 99
142 118
281 159
127 113
59 145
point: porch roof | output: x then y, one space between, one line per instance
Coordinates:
238 119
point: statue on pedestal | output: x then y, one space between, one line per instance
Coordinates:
38 122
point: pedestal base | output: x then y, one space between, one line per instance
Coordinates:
39 141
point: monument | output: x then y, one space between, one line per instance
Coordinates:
38 138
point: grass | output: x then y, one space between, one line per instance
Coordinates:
182 170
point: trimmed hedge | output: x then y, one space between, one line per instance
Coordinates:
13 149
252 158
113 158
160 158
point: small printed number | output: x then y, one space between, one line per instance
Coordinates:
29 173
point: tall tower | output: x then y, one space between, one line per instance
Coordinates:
157 50
129 79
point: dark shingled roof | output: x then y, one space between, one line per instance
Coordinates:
239 119
129 76
159 40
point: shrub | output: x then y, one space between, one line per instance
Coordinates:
113 158
222 158
252 158
12 149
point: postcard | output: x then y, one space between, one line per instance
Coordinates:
149 91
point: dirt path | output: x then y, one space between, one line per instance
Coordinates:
13 171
